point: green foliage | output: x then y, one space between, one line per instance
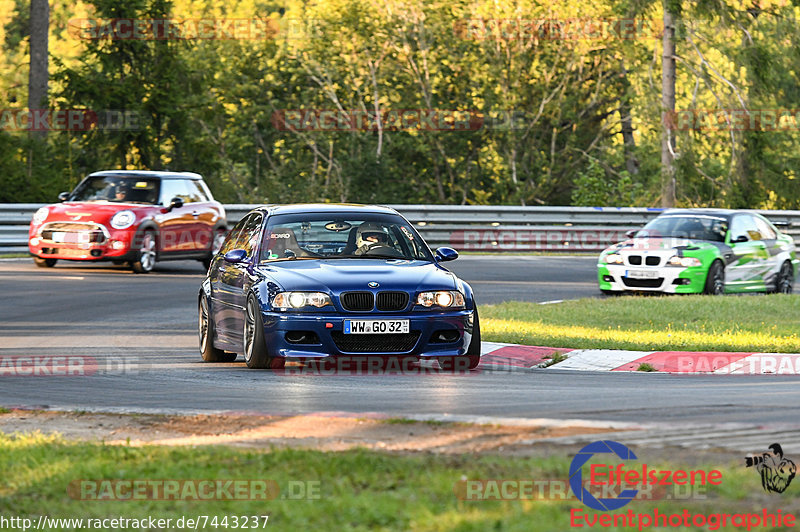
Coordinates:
208 105
594 187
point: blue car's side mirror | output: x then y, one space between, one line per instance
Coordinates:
235 256
445 254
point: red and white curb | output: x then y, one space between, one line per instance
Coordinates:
512 357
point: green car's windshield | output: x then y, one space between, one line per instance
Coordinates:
118 189
323 235
692 227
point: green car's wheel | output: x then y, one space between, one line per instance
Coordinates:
715 280
784 282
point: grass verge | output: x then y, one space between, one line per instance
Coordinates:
768 323
357 490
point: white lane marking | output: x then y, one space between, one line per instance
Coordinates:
598 359
551 302
490 347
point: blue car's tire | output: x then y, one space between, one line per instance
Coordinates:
255 347
471 360
205 328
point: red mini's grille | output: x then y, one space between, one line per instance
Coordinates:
73 233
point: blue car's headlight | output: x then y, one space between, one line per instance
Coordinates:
441 298
287 300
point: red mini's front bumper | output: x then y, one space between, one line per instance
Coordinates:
74 241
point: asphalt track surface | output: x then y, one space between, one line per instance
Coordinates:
141 331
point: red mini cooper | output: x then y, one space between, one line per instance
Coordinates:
130 216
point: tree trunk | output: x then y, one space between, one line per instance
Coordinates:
668 107
37 76
626 124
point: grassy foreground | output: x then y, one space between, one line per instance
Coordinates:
767 323
358 490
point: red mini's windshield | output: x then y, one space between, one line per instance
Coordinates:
118 189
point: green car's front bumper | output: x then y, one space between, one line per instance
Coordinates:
667 279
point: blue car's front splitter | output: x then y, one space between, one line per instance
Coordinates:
296 335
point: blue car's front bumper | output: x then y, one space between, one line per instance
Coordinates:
331 341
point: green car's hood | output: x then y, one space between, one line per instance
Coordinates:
677 244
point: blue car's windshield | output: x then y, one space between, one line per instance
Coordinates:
351 235
693 227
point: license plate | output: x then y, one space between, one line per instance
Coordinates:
376 326
58 236
642 274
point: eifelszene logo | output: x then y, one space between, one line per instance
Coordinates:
617 480
776 470
576 476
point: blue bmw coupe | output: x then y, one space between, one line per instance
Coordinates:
318 281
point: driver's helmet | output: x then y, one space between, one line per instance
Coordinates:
121 190
371 234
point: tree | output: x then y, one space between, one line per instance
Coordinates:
37 75
671 14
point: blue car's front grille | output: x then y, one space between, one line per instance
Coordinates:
366 301
375 343
388 301
358 301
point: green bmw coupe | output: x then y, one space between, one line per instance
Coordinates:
694 251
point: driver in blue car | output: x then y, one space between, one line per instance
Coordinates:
368 236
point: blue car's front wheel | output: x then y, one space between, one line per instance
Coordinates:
255 348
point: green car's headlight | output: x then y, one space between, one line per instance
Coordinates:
614 258
686 262
295 300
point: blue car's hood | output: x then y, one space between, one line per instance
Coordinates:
340 275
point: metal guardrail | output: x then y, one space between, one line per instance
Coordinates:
468 228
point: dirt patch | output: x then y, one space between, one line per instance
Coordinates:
323 432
